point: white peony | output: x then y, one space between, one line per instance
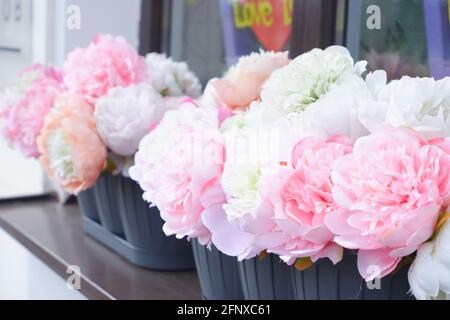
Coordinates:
429 275
337 112
307 78
124 115
171 78
252 153
258 115
422 104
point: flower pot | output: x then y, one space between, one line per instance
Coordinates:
106 196
88 205
266 279
218 273
325 281
142 227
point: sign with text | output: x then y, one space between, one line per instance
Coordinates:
252 24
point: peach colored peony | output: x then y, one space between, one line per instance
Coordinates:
243 82
26 104
178 166
302 198
392 187
72 153
106 63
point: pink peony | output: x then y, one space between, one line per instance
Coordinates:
243 82
392 187
72 152
107 62
178 166
303 198
26 105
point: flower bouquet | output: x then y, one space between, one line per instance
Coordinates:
84 123
322 179
308 178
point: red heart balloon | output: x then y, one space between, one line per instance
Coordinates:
271 21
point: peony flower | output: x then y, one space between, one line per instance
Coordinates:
243 82
258 115
338 111
72 153
26 104
429 275
253 156
106 63
178 166
307 78
392 188
172 78
302 198
125 115
422 104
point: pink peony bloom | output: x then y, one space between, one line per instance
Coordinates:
72 152
26 104
303 197
178 166
107 62
392 187
243 82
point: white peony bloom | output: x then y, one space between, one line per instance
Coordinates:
124 115
422 104
337 112
258 115
429 275
253 152
307 78
171 78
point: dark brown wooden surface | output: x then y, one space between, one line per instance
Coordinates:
54 233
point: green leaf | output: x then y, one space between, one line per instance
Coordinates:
303 263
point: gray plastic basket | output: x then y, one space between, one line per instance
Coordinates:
266 279
143 231
88 204
325 281
218 273
106 196
143 242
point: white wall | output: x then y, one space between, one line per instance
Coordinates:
49 42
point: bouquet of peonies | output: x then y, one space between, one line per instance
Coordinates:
89 117
306 159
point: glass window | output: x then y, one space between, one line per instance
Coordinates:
212 34
413 38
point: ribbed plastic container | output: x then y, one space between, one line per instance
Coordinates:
88 205
143 231
325 281
106 196
266 279
218 273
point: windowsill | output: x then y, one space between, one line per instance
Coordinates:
54 233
